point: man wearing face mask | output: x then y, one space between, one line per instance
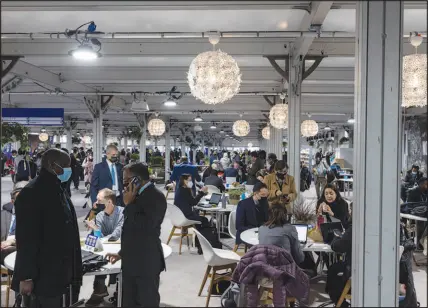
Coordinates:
108 174
48 258
271 161
281 186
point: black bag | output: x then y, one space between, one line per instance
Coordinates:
327 229
420 211
23 172
407 207
92 262
210 233
220 287
337 276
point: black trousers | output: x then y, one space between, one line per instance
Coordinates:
141 291
53 302
75 175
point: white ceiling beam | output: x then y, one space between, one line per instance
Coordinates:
56 81
319 11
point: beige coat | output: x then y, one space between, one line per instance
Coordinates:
288 188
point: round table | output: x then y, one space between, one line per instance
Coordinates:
251 237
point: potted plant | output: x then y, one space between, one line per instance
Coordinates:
135 158
235 195
157 161
11 132
304 211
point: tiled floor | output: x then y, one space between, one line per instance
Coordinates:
180 283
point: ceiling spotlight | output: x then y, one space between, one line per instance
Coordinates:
43 130
327 127
213 126
198 118
221 131
351 120
170 102
84 52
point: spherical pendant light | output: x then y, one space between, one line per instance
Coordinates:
43 137
309 128
241 128
266 132
156 127
278 116
250 145
214 76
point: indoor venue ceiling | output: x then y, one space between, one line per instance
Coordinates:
157 64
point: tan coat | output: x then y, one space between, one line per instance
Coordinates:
288 188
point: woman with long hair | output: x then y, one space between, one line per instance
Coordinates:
331 203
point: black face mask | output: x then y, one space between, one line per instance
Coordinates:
101 207
113 159
280 176
263 199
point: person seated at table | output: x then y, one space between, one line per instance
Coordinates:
109 222
215 181
281 186
331 203
253 211
8 222
339 273
232 172
420 194
279 232
185 168
413 176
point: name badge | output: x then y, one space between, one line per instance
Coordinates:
91 243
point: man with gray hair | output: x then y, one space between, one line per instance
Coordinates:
48 258
108 174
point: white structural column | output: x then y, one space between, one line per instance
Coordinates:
167 148
294 108
125 143
143 146
377 155
274 144
69 137
97 141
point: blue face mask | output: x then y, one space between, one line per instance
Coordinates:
65 176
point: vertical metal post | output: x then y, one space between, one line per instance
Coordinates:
274 144
125 146
377 153
143 139
167 149
294 107
69 139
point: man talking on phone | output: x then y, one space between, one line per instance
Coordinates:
141 249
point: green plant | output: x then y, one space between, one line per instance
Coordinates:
157 161
135 133
304 212
284 144
311 143
236 193
11 132
150 171
135 157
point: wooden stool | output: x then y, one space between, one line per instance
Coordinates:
345 293
267 299
215 277
184 233
7 283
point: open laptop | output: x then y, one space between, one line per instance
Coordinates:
214 200
302 233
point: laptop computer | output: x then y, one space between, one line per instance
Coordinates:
302 233
214 200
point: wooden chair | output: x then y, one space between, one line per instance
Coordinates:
7 283
345 293
266 299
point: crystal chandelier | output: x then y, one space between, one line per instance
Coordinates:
241 128
309 128
278 116
156 127
414 87
266 132
214 76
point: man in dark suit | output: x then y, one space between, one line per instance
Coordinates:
48 258
253 211
214 180
185 168
256 166
108 174
145 208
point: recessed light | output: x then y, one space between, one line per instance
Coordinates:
282 25
170 103
84 52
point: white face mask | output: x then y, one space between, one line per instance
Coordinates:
189 184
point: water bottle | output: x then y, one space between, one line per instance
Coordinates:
243 196
97 233
223 201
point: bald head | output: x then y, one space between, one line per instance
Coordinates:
52 159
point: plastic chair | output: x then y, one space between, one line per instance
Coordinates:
217 259
7 283
213 189
179 221
232 229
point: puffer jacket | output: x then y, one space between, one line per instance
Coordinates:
276 264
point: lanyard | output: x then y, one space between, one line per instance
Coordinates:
144 187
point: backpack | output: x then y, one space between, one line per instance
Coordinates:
23 172
210 233
230 297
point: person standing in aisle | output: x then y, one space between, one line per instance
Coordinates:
145 208
319 171
108 174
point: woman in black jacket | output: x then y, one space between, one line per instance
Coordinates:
332 203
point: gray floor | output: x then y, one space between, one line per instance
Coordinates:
181 282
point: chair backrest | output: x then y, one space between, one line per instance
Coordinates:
207 249
400 252
177 217
213 189
232 224
230 179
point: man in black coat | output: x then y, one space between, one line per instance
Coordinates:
142 263
214 180
48 256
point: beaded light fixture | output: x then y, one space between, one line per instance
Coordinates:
43 137
414 84
214 76
156 127
309 128
241 128
278 116
266 132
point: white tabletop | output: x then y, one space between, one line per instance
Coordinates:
229 208
251 237
345 180
412 217
9 261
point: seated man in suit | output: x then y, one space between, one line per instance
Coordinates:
108 174
232 172
185 168
253 211
214 180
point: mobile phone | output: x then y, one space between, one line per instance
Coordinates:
136 182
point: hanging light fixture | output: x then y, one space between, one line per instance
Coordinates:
309 128
214 76
250 145
147 142
43 137
266 132
84 52
87 139
213 126
197 128
278 116
156 126
241 128
414 85
198 118
169 102
327 127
